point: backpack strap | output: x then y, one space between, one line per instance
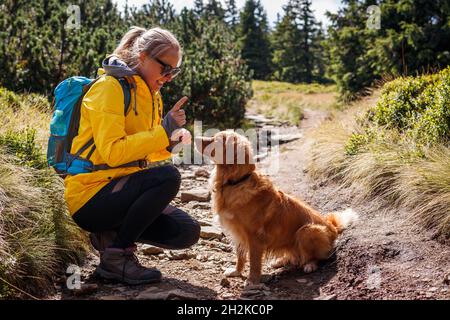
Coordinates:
138 163
82 149
126 88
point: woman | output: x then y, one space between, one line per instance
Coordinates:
125 204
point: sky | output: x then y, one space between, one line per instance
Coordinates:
272 7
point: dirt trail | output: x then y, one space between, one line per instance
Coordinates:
383 256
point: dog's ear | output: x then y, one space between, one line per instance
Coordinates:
244 151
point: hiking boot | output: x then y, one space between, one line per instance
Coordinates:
102 240
123 265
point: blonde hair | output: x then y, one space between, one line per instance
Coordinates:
155 42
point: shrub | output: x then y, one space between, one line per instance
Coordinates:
417 108
397 151
37 237
22 145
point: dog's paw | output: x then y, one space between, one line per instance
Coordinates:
310 267
232 272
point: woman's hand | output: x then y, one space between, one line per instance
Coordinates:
178 114
182 135
178 135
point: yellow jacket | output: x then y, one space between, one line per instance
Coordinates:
119 139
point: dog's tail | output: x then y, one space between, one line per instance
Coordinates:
343 219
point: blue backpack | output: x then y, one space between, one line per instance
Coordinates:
65 123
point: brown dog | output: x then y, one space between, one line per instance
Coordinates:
262 220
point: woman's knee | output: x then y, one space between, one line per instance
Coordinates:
170 175
172 179
192 234
189 232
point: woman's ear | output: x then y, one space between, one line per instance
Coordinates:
142 57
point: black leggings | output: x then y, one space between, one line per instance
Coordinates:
137 207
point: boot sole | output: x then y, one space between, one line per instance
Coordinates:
113 276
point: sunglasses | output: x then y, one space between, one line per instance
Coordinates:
168 69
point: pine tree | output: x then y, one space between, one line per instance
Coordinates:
231 14
213 10
287 51
37 51
414 37
308 29
199 8
254 39
296 40
319 55
213 73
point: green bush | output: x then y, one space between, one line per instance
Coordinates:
433 126
9 99
418 108
355 143
22 145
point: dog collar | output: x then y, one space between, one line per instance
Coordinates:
235 182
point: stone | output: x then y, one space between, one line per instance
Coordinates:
204 223
151 295
228 295
210 232
225 282
85 289
111 297
187 175
327 297
151 250
201 205
285 138
221 246
249 293
173 255
201 172
202 257
447 279
199 194
166 295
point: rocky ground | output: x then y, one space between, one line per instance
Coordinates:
383 256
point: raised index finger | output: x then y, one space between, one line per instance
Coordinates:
180 103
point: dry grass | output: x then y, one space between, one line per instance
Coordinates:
37 237
20 112
286 101
387 169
